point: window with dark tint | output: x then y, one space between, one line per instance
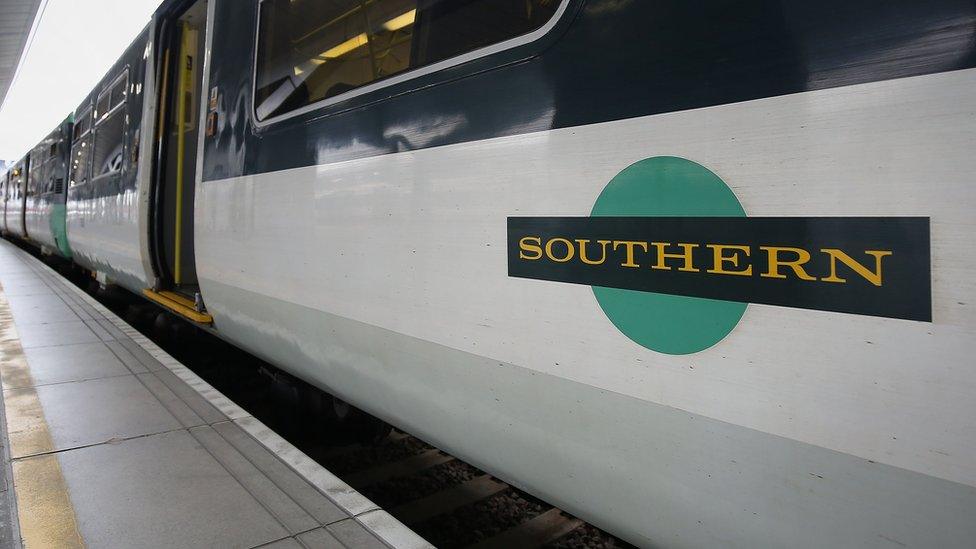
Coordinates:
309 50
119 91
46 184
14 183
103 106
35 175
82 124
109 131
111 98
81 150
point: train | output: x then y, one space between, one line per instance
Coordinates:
697 272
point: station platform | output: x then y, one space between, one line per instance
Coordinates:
110 442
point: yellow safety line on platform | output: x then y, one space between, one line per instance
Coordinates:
44 509
179 305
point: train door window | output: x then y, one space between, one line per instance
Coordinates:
81 149
35 174
22 181
310 51
103 105
107 154
82 125
49 185
118 92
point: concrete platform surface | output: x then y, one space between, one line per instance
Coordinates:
110 442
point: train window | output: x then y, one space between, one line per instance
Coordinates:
118 92
309 51
103 106
80 161
107 151
35 172
81 149
112 97
107 142
18 182
82 125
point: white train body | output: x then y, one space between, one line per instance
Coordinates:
362 241
384 280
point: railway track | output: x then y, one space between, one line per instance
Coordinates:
447 501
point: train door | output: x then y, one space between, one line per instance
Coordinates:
178 110
21 205
35 187
3 202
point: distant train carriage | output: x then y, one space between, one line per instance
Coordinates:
44 206
696 272
4 183
16 198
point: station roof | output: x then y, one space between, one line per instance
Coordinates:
16 21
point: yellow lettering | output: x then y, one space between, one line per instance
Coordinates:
570 251
685 255
872 277
525 245
720 259
582 251
629 245
772 269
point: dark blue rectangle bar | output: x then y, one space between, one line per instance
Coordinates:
877 266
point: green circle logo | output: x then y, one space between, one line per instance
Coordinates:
673 187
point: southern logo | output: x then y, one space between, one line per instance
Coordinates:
673 260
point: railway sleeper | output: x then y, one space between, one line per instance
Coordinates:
447 500
535 532
407 466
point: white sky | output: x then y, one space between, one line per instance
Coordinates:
75 44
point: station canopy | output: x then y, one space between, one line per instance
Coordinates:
16 21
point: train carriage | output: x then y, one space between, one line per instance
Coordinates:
365 194
695 272
16 198
4 184
104 208
44 206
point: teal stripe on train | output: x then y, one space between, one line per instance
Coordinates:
59 229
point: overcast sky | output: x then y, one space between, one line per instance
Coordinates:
75 44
